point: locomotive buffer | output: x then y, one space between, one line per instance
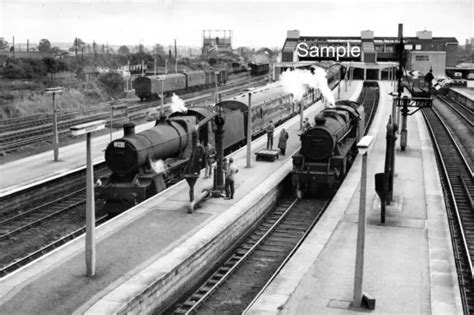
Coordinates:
267 154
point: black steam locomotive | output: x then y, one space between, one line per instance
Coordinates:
328 147
145 163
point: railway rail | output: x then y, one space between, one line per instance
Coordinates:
33 129
255 262
33 208
256 259
462 110
457 177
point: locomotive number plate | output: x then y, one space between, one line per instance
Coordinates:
119 144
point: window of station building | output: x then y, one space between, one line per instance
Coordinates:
417 47
408 46
422 58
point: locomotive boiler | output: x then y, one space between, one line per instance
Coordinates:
145 163
328 147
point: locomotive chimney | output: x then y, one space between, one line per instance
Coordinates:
319 119
128 129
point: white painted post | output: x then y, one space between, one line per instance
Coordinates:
249 130
55 121
362 146
90 253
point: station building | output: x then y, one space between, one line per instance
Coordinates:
371 57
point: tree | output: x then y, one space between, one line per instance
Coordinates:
44 45
112 81
77 45
141 49
123 50
3 44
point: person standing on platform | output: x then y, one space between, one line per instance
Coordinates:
224 173
306 124
210 157
282 141
270 129
230 179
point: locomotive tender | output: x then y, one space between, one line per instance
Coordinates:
150 87
132 157
329 147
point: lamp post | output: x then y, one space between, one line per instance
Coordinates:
55 121
363 147
217 88
78 130
249 130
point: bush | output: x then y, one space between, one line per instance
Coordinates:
112 82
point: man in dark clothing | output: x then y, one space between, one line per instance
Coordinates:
270 129
229 179
282 141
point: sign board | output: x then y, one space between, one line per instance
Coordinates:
87 127
118 115
54 90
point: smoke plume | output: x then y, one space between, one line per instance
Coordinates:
177 104
299 81
158 166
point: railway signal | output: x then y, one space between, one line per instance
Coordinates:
89 128
55 121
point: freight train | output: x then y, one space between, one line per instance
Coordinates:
150 87
145 163
328 148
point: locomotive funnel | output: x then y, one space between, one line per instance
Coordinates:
128 129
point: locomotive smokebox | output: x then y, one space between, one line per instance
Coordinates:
128 130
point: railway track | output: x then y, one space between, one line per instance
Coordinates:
466 114
256 259
369 98
9 268
254 263
34 129
458 185
35 221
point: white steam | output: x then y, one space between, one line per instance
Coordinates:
158 166
177 104
299 81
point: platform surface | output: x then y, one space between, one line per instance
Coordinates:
409 264
129 243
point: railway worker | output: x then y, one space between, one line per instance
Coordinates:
282 141
230 179
210 154
224 172
306 124
270 129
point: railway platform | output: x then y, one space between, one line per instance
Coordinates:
153 250
409 264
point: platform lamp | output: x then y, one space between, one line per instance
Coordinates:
55 121
88 129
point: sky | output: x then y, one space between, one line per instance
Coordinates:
257 23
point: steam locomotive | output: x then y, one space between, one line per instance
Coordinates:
150 87
133 158
328 147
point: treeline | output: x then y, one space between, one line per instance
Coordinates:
32 68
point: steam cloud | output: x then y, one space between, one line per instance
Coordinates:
158 166
177 104
299 81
